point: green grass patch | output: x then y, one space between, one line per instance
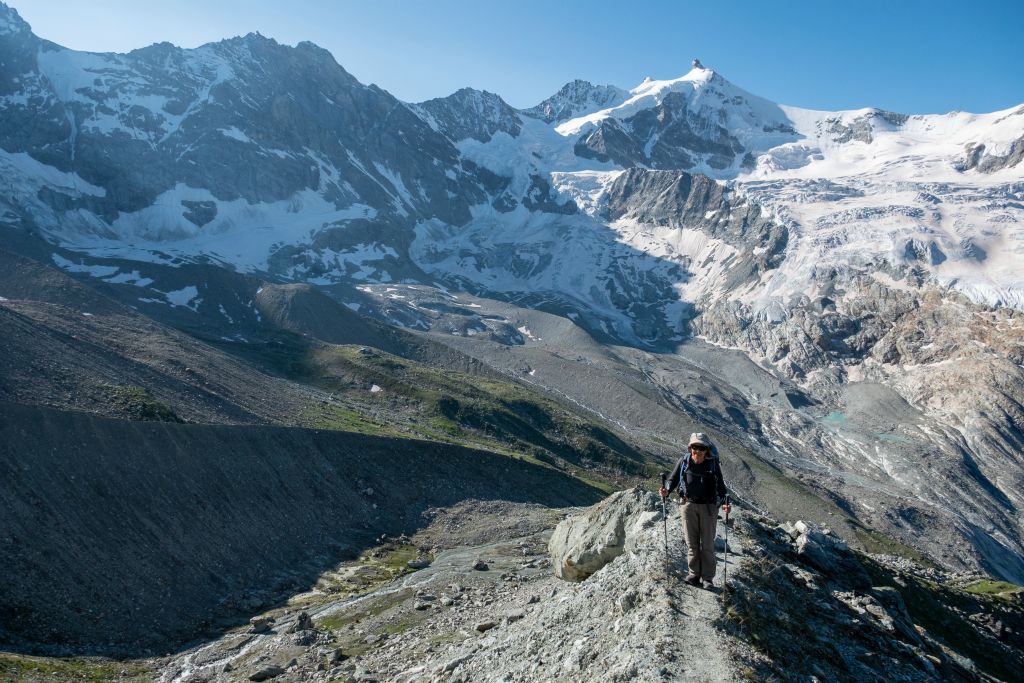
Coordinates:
136 403
370 608
406 623
878 543
606 487
398 558
14 667
420 401
1000 589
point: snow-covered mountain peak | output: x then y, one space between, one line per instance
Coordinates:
699 88
577 98
11 21
696 75
469 113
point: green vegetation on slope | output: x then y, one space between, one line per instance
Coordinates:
28 669
999 589
377 393
881 544
137 404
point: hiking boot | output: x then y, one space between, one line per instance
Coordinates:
709 585
693 581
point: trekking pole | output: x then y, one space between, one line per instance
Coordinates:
725 567
664 514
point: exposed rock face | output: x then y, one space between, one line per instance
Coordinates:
576 98
956 384
669 135
827 554
470 113
581 545
698 122
192 118
977 157
854 628
681 200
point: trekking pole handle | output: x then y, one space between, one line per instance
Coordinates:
664 476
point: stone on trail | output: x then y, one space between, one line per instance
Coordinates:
302 623
266 673
515 615
418 564
480 566
485 626
261 624
583 544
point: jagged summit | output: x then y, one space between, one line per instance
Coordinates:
11 21
698 121
576 98
696 83
469 113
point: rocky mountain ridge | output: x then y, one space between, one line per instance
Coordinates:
474 595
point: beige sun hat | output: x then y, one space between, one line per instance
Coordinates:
701 438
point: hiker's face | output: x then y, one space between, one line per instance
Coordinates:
698 453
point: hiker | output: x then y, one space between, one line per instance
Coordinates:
698 475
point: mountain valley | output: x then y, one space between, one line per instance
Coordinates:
258 316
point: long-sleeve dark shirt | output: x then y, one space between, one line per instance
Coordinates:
701 483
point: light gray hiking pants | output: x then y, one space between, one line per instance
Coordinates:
699 521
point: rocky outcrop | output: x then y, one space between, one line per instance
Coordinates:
683 200
977 157
859 617
469 113
827 553
575 99
583 544
696 125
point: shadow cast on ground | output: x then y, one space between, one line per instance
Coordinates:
132 538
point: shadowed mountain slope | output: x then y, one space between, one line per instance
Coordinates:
134 537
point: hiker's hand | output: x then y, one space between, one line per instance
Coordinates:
727 507
663 491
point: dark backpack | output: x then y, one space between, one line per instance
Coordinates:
711 461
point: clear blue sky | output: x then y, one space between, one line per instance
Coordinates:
910 56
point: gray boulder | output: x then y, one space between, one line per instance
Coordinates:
583 544
829 555
266 673
303 622
261 624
